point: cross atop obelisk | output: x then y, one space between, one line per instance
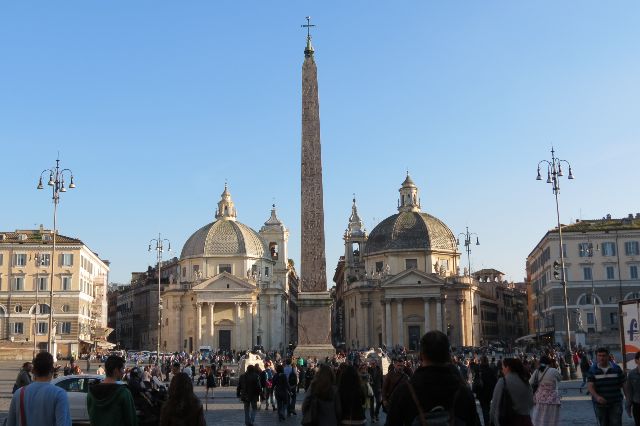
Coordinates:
308 51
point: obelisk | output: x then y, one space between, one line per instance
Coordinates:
314 301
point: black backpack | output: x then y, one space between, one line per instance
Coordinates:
437 416
293 378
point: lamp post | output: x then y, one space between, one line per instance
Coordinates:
467 246
56 182
159 248
554 173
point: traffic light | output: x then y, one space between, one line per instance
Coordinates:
556 269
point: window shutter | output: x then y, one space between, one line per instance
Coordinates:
71 260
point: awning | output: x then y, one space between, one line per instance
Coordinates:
526 338
106 345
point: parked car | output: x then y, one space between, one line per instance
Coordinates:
76 387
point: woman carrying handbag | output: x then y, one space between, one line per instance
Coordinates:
512 397
546 397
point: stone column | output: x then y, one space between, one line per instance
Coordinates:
427 314
212 319
365 313
439 304
254 324
460 302
247 325
198 324
180 330
236 327
400 322
387 318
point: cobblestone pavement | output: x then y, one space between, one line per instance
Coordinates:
226 409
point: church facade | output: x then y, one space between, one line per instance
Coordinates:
402 280
236 287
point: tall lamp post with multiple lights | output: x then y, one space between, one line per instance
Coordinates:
56 182
159 248
467 246
554 173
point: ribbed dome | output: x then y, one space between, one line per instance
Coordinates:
224 238
411 231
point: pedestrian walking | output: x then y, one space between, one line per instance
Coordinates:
375 372
544 382
585 365
24 376
633 392
352 397
606 385
111 402
512 397
483 384
436 389
281 391
40 402
182 407
248 391
321 405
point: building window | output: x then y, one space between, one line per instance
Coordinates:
613 318
195 269
273 249
66 259
18 308
66 283
18 328
411 264
608 249
65 308
610 272
1 258
631 248
42 283
379 266
184 271
20 259
65 327
587 273
225 267
44 259
564 250
633 272
266 271
18 284
42 327
585 249
590 318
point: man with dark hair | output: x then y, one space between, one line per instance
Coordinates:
248 391
40 402
109 402
605 380
436 383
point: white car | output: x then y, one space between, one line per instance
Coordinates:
77 387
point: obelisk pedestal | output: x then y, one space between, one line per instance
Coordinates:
314 326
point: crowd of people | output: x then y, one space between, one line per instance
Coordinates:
432 387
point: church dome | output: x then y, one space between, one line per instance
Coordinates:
226 236
410 229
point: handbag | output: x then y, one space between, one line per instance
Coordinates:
507 414
536 383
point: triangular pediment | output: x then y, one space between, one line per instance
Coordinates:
413 278
224 282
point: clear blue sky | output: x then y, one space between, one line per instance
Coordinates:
153 104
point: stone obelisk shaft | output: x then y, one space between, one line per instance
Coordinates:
313 269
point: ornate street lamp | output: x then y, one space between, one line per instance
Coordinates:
159 248
57 184
554 172
467 245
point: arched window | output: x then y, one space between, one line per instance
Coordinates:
42 308
632 295
589 299
273 249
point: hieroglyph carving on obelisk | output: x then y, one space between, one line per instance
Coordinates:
313 264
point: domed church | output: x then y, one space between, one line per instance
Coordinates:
236 288
402 280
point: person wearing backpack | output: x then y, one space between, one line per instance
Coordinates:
435 394
292 379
